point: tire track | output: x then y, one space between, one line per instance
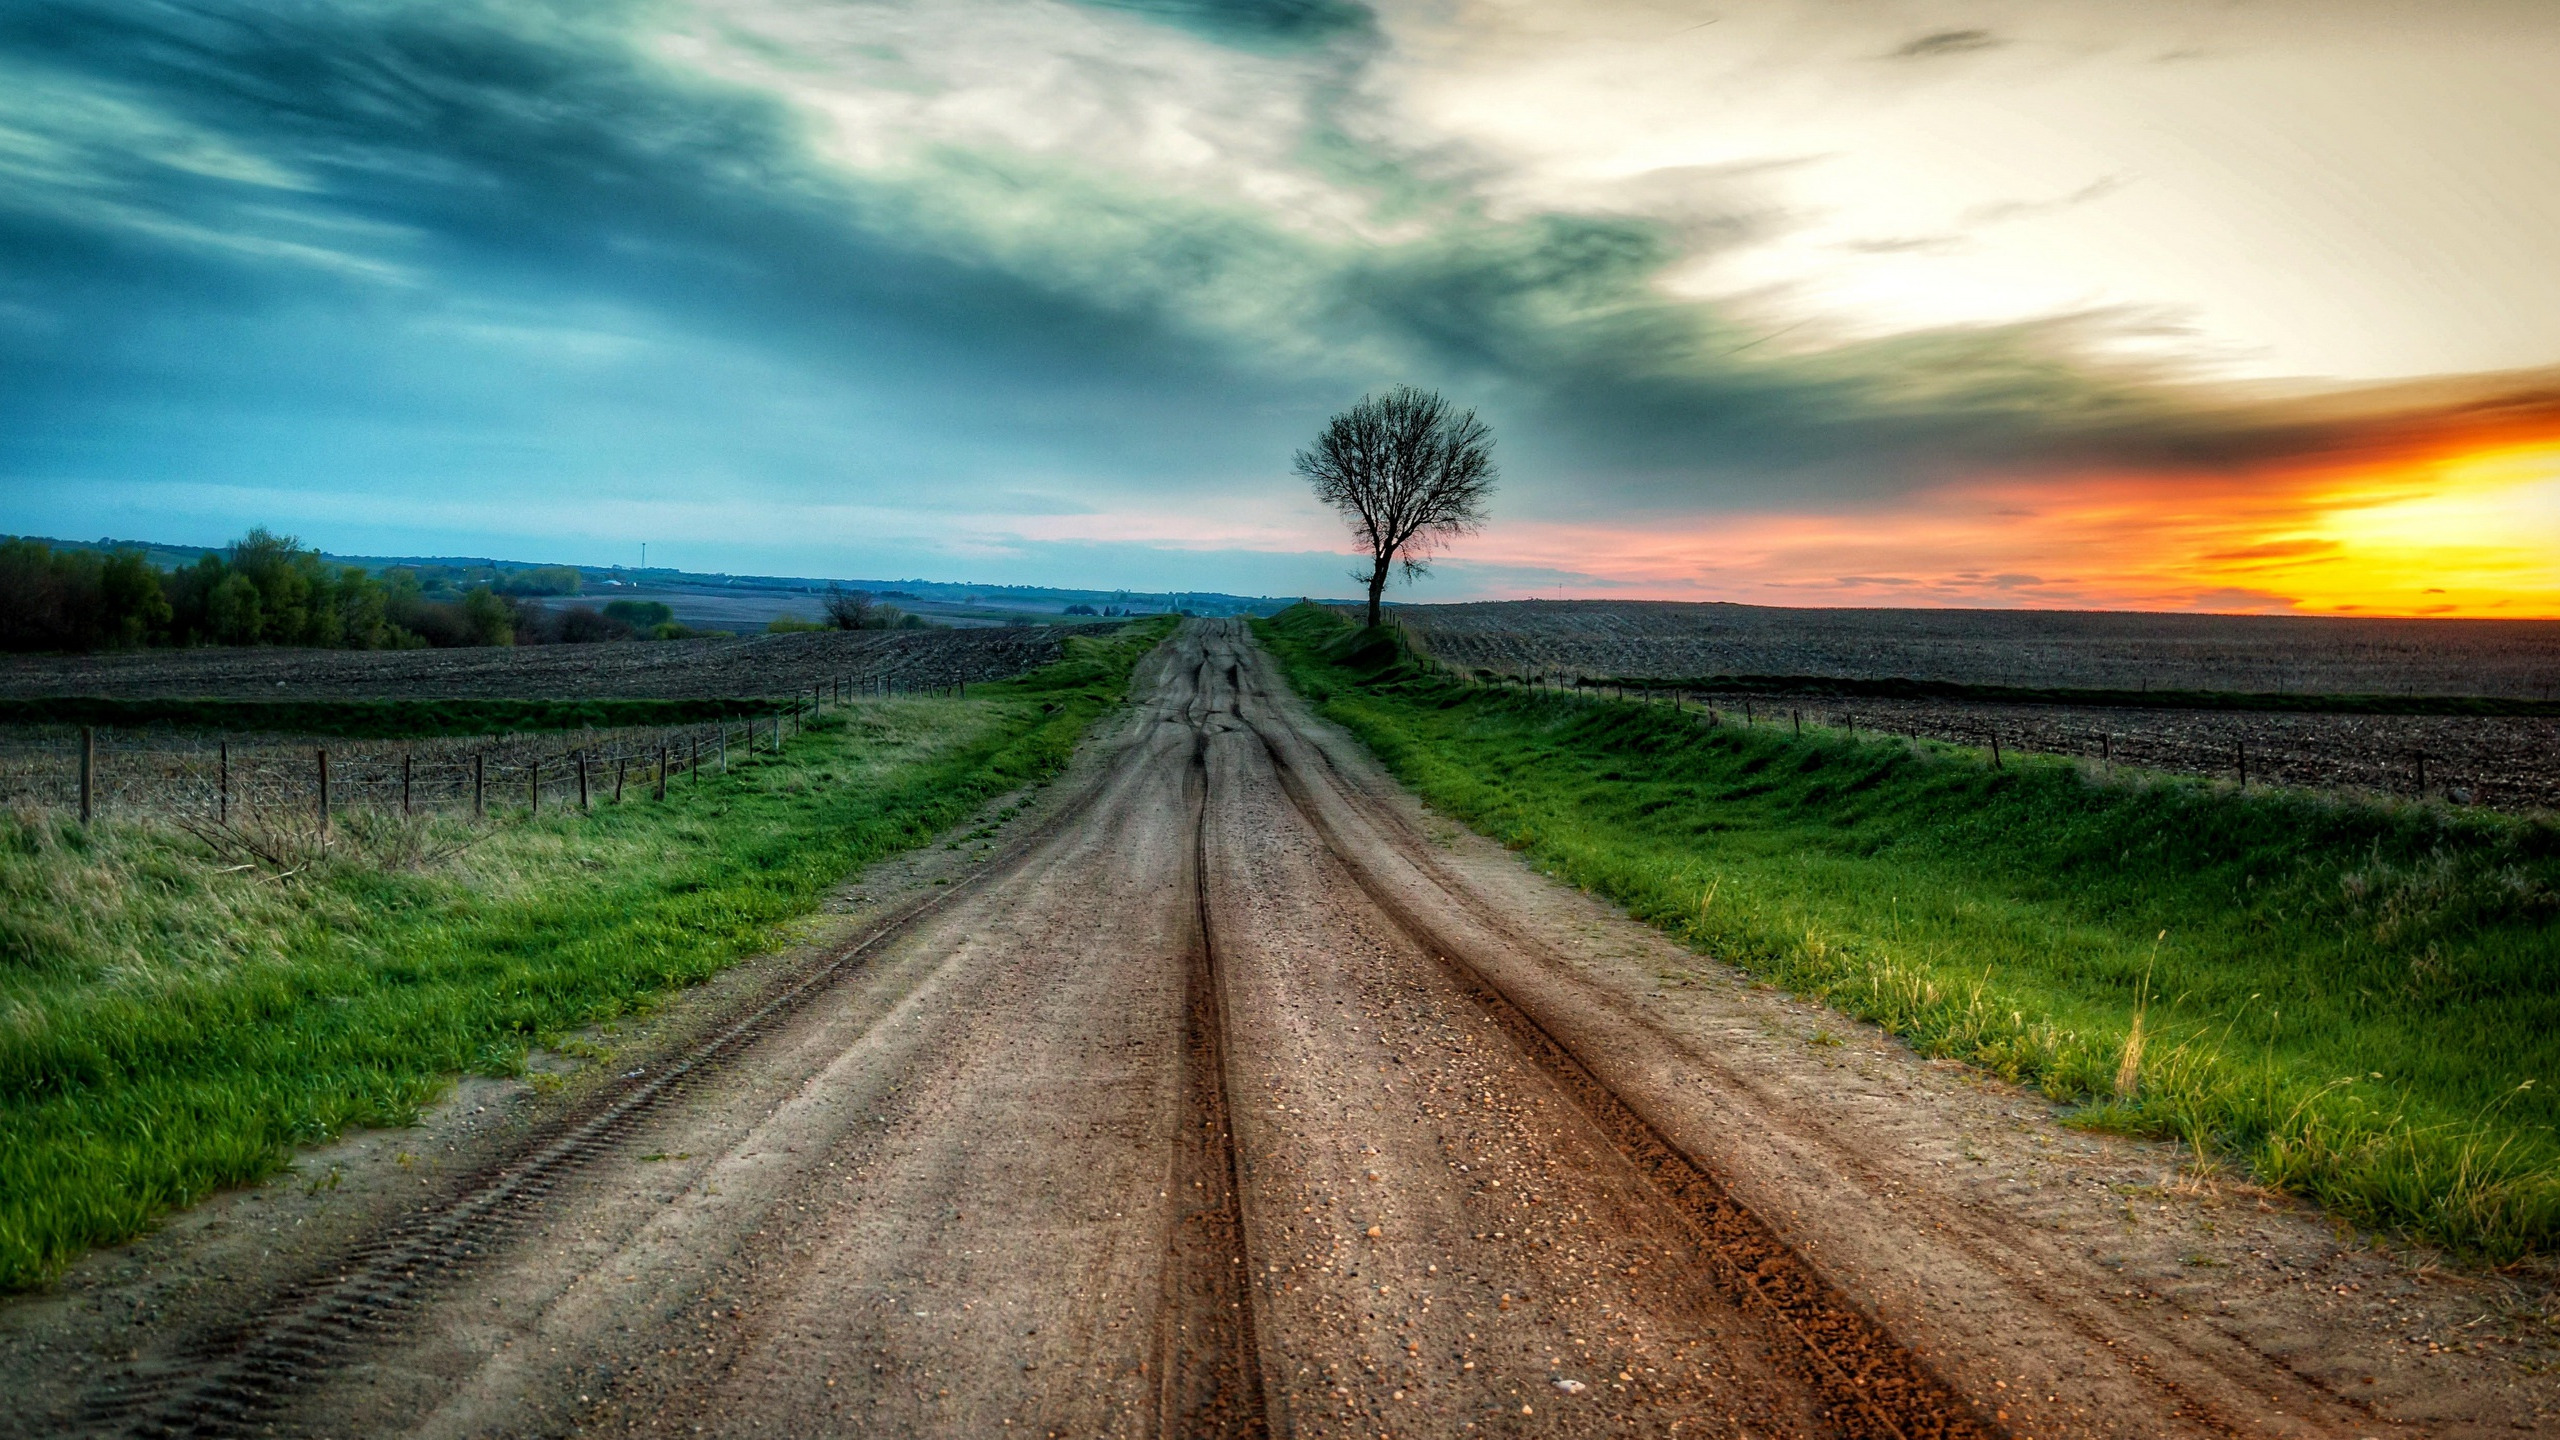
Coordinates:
1208 1350
1872 1386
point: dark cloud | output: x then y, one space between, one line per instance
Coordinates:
1609 377
1948 42
531 158
1255 22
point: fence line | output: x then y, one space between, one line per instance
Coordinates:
99 772
2224 744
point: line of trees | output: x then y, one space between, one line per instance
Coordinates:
266 589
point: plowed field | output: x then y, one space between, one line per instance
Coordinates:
2099 650
750 665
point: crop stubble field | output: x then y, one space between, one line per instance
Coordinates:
751 665
2080 649
2508 762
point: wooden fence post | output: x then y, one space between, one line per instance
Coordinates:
323 757
662 769
693 766
2422 774
1798 717
533 787
619 761
2107 749
222 781
88 773
2240 757
480 785
584 806
1995 750
405 764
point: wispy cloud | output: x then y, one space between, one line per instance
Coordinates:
1939 43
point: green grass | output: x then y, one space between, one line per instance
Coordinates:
2359 1000
376 719
171 1024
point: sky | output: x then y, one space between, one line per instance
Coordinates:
2244 305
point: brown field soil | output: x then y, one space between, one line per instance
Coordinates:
753 665
1229 1092
2502 762
2515 659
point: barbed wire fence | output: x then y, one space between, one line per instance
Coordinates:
2507 770
218 781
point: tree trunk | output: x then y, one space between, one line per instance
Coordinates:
1377 587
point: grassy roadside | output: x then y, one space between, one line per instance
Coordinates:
171 1023
2360 1001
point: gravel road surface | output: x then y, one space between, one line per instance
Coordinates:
1227 1092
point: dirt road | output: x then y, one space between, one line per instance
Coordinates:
1232 1098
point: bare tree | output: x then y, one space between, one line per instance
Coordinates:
1409 473
849 609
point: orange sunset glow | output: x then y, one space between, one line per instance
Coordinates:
2472 533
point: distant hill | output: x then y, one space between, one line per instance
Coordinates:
720 601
